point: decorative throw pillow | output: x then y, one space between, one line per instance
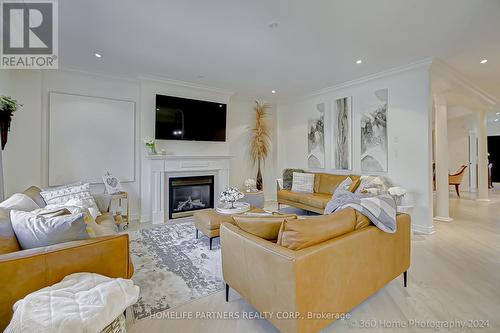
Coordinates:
382 184
266 227
61 195
303 182
343 186
19 201
38 230
288 178
303 233
355 183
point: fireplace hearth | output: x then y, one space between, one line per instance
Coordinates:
188 194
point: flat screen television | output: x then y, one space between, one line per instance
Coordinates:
189 119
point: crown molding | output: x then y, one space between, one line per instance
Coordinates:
396 70
447 72
108 76
185 84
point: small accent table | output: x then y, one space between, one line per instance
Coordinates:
255 199
120 218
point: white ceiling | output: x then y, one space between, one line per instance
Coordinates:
228 43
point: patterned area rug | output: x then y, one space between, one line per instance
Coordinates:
172 267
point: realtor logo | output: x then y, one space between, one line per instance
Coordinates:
29 34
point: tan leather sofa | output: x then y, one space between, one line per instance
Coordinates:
307 289
324 186
25 271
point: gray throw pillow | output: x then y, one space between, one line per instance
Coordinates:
288 177
37 230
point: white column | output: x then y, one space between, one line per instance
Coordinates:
441 160
472 161
482 157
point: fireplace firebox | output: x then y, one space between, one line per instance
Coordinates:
188 194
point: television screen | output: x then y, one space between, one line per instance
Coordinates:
189 119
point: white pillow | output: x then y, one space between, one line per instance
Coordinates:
19 201
343 186
303 182
37 230
61 195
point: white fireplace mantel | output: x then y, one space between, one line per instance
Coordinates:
164 167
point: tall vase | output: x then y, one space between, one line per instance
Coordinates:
259 182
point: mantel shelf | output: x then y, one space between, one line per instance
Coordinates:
184 157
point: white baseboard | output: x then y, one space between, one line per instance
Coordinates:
423 230
443 218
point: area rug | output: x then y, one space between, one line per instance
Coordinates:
172 267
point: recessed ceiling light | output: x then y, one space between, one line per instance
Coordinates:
496 120
98 55
273 91
483 61
273 25
359 61
498 113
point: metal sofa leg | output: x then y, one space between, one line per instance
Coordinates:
405 278
210 242
227 292
196 233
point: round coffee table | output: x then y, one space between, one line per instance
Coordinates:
239 207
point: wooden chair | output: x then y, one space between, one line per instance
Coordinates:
456 178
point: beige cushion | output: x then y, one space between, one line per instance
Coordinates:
318 200
327 183
289 195
210 219
300 234
266 227
34 193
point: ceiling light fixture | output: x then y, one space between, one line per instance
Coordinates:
496 120
483 61
273 91
98 55
359 61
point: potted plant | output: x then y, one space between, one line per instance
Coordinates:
150 145
260 140
8 105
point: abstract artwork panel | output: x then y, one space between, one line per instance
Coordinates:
374 132
316 139
342 142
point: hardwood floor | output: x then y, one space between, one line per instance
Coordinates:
454 276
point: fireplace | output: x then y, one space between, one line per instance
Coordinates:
188 194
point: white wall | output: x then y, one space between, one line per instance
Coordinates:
408 133
22 154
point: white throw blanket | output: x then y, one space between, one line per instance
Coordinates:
81 302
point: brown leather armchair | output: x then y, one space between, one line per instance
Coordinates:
456 178
25 271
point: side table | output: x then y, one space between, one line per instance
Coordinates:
255 199
120 217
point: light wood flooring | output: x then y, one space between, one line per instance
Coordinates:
454 276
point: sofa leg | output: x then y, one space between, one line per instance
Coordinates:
196 233
210 242
227 292
457 190
279 207
405 278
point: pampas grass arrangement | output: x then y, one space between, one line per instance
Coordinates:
260 141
